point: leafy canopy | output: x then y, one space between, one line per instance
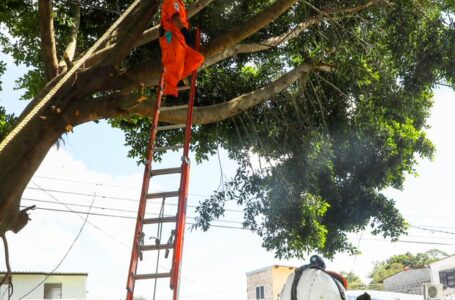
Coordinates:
330 143
398 263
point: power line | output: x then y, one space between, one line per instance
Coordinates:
130 217
104 184
66 254
233 227
117 198
433 230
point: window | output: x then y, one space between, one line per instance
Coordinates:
52 291
260 293
447 278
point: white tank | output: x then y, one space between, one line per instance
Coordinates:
314 284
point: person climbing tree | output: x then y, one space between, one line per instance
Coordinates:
178 56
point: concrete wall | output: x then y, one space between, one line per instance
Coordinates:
262 277
280 274
409 282
272 278
73 286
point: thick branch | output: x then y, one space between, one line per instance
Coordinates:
147 36
242 31
117 104
130 30
148 73
70 50
47 38
283 38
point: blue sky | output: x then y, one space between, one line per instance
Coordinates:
93 160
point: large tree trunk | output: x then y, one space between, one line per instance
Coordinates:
19 161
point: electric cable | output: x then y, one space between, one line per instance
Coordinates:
64 256
113 197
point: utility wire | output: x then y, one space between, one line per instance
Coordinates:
121 198
433 230
233 227
132 218
66 254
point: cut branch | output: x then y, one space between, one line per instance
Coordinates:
48 46
118 104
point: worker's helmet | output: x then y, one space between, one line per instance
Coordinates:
313 282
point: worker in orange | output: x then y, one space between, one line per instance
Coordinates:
178 56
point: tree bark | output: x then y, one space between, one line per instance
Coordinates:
48 46
70 50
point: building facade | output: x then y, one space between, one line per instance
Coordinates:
411 281
40 285
267 283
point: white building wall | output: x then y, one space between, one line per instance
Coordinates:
409 282
441 265
447 263
73 286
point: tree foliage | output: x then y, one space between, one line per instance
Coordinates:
398 263
329 143
354 281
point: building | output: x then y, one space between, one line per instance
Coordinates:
410 281
53 286
267 283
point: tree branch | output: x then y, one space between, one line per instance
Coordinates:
70 50
242 31
130 30
48 46
148 73
147 36
283 38
118 104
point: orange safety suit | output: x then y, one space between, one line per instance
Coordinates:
179 60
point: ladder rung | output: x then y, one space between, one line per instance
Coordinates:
163 195
165 171
156 247
152 276
174 107
170 127
160 220
175 147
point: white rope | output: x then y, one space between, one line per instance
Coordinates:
65 78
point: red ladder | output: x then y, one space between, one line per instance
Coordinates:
175 242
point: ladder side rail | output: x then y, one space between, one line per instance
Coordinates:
184 185
143 199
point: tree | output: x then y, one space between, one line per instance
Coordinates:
398 263
354 281
332 95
